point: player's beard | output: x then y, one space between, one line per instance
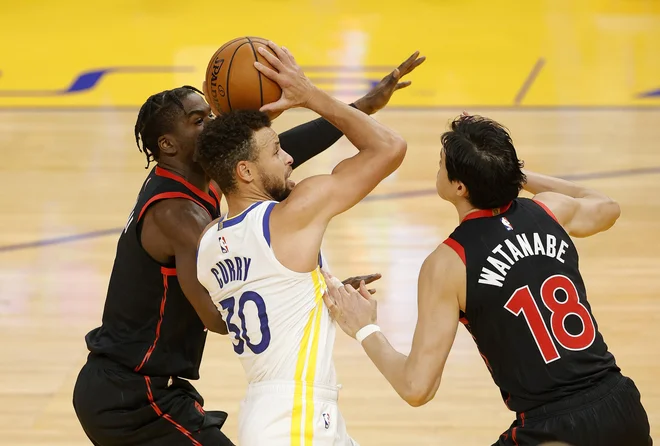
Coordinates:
276 188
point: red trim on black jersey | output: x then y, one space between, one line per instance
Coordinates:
172 176
546 209
453 244
522 424
487 212
160 319
166 195
485 360
160 413
215 193
168 271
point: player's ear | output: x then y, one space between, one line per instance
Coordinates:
461 190
166 144
245 171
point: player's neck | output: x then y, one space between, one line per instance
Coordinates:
192 173
464 208
238 202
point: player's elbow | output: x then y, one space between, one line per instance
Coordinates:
418 399
398 153
597 219
420 393
215 323
219 329
612 212
609 212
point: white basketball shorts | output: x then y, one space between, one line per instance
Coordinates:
277 413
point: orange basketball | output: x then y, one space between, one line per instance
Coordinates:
232 81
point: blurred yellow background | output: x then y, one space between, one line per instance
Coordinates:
576 81
492 53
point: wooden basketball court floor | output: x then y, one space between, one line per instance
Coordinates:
69 180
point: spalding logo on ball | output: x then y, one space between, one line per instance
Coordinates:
232 81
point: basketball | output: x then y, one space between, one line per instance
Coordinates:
232 81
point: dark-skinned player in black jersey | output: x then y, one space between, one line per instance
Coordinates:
509 273
134 389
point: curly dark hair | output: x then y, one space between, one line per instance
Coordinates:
157 116
227 140
479 152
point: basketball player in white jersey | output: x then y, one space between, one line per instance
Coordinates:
261 264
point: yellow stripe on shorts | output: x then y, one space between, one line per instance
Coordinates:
319 283
305 393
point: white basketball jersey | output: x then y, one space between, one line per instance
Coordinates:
276 317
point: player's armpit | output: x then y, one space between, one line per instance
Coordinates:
182 222
581 216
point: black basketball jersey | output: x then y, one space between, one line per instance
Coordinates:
148 323
526 305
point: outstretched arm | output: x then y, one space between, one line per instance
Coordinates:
415 377
580 210
297 223
307 140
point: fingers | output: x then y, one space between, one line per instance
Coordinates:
275 107
270 57
364 291
329 302
282 56
346 291
267 71
401 85
396 74
372 291
371 278
330 283
328 278
409 60
411 63
417 63
288 53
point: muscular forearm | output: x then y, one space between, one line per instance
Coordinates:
390 363
538 183
309 139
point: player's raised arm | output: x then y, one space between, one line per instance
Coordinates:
381 150
580 210
311 138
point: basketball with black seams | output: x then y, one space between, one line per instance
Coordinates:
232 81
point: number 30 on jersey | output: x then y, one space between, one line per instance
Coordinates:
523 302
242 338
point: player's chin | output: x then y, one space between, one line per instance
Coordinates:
290 184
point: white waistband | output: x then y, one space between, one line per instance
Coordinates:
329 393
